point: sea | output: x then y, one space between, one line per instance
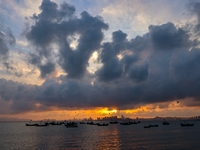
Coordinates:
18 136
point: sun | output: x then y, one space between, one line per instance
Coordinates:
108 111
114 111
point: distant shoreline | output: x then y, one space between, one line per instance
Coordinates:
106 119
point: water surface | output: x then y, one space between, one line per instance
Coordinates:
17 136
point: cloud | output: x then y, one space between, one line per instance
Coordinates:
3 48
161 65
58 27
168 37
6 39
134 17
11 69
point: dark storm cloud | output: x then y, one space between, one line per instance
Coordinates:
46 69
113 67
139 73
20 97
119 36
58 25
74 62
168 37
160 66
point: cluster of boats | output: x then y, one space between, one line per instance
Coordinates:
44 124
67 124
75 124
130 122
167 123
71 125
92 123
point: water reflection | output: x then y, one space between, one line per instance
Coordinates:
109 138
99 137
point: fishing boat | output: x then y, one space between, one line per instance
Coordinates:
102 124
56 123
165 122
31 124
125 123
113 122
153 125
147 126
91 123
28 124
133 122
187 124
71 125
42 125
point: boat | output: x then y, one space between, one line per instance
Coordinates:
91 123
29 124
187 124
153 125
71 123
56 123
125 123
165 122
102 124
71 126
133 122
138 121
147 126
114 122
42 125
82 123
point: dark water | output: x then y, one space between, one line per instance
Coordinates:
17 136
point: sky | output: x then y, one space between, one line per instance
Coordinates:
65 59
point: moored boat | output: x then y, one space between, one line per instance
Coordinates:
42 125
133 122
71 125
102 124
187 124
165 122
91 123
113 122
147 126
153 125
29 124
125 123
